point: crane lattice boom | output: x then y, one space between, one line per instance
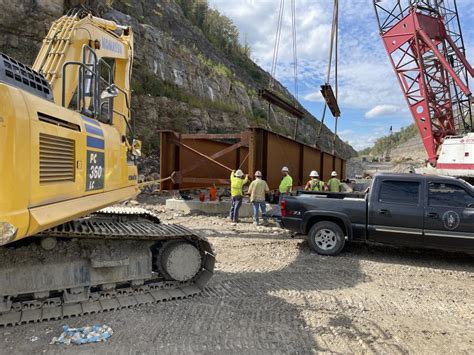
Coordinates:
425 46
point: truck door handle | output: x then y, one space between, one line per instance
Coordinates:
432 215
384 211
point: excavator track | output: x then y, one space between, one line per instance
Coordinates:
114 242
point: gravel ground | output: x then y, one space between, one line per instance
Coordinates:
271 294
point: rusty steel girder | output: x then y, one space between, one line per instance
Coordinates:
284 104
201 160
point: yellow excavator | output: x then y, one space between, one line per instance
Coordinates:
67 153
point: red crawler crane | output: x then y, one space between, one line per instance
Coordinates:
425 46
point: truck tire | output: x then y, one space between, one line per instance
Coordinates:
326 238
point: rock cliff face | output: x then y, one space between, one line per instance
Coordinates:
181 81
412 149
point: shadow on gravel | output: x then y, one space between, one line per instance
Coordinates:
427 258
265 298
291 309
288 310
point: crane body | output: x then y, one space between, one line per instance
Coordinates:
424 42
66 152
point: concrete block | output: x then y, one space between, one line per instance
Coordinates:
209 207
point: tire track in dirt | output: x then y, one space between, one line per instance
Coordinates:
272 295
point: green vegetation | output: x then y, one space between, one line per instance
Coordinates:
382 144
222 34
223 70
218 29
146 83
219 68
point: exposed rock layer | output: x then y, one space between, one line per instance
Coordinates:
181 81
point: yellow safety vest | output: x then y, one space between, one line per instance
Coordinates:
286 182
334 185
236 185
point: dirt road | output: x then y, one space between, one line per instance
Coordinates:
271 294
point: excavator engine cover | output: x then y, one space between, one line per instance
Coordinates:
23 77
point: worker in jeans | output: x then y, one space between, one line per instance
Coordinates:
257 190
286 183
237 182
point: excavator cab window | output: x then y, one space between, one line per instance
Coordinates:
95 92
107 90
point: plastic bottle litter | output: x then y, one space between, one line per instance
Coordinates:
84 335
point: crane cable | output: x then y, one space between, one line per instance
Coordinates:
276 51
295 59
295 52
277 44
335 74
333 49
275 56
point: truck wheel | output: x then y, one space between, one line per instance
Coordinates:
326 238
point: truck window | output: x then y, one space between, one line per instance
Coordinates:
402 192
447 195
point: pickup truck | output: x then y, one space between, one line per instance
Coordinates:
398 209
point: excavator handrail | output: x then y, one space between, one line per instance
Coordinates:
63 91
81 97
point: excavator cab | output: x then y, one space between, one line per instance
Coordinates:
66 137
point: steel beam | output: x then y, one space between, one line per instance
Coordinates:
281 103
212 136
330 98
199 161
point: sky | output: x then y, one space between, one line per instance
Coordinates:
369 94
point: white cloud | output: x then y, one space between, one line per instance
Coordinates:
382 110
366 78
361 141
314 97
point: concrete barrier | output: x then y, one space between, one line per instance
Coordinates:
209 207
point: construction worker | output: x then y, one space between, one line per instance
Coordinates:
286 183
334 183
237 182
314 184
257 190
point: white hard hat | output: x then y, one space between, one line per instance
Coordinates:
239 173
258 173
285 169
334 173
314 173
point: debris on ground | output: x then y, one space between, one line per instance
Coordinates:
84 335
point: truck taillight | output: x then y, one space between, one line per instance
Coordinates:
283 208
